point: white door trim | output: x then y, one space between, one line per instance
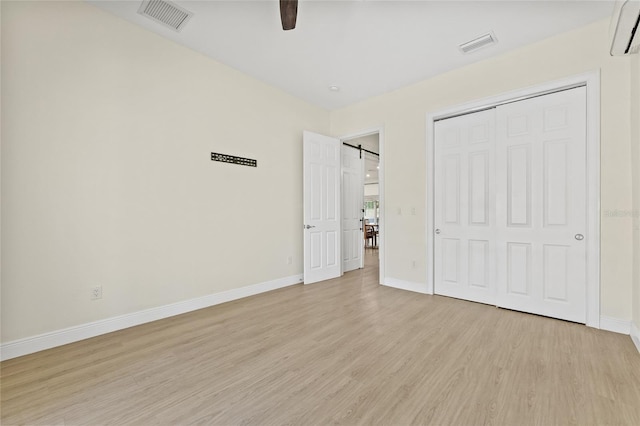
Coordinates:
381 224
592 82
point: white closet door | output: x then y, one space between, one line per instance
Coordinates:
464 207
541 205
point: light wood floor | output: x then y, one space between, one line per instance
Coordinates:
340 352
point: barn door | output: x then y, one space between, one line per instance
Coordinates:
352 202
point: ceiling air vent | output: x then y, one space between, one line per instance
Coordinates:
166 13
477 43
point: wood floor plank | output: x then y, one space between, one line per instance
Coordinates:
346 351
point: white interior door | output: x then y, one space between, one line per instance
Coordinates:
464 213
321 169
511 206
352 203
542 205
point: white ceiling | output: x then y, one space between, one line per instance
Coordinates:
365 47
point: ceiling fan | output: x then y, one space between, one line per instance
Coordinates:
288 13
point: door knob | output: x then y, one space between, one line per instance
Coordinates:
579 237
437 231
308 226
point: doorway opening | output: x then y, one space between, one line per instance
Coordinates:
369 199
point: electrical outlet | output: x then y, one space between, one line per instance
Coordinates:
96 292
289 260
413 264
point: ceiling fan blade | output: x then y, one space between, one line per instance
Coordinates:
288 13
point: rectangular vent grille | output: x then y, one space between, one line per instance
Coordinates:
166 13
478 43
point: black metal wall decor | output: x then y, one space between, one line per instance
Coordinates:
232 159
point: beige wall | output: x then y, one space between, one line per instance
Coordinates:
403 114
635 167
107 131
371 190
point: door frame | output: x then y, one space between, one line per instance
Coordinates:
592 82
381 223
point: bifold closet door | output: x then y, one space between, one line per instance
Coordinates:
510 206
464 207
542 205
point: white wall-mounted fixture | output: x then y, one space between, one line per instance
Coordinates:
626 38
478 43
166 13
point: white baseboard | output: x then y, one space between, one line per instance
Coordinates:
635 335
616 325
52 339
406 285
